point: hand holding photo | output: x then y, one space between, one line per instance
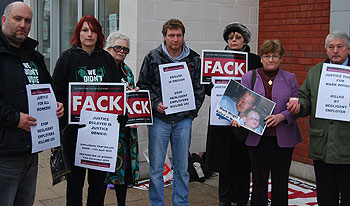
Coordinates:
245 106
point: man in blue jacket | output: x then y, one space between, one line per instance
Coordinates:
176 127
20 64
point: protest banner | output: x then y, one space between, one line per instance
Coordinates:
245 106
223 63
177 89
42 106
97 142
333 100
220 84
139 108
100 97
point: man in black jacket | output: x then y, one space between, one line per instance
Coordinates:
176 127
20 64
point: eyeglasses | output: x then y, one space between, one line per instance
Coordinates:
118 48
274 57
339 47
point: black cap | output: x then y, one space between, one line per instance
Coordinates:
237 27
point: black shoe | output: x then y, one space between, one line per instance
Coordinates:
225 204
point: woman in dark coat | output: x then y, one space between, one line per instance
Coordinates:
226 154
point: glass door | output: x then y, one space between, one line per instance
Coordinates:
43 26
56 22
109 16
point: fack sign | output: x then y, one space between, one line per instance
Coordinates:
100 97
139 108
223 64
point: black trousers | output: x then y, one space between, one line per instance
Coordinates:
120 191
332 180
75 183
266 157
234 178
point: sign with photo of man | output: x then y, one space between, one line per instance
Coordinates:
244 106
223 63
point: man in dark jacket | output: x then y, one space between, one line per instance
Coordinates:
329 138
20 64
174 127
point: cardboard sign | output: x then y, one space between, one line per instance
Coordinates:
177 89
220 84
139 108
42 106
100 97
257 107
333 100
225 63
97 142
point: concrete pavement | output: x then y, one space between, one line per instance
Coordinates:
200 194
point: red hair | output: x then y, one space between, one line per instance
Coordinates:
94 25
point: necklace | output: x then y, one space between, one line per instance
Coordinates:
270 79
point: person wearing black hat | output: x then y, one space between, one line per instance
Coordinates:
226 154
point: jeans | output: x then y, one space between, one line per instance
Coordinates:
18 176
159 134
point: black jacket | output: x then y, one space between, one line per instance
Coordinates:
76 65
149 79
13 95
222 147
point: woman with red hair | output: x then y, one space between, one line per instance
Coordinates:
85 61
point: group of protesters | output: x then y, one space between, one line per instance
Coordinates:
232 151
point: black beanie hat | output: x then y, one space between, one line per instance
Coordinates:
237 27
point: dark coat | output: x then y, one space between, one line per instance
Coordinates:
149 79
13 94
223 148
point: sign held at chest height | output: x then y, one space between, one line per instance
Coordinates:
100 97
224 63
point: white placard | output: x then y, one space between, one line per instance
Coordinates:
177 90
97 143
217 91
333 100
42 106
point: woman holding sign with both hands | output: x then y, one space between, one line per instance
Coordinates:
273 150
127 167
226 154
85 61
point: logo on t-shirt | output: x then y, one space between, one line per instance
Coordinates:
91 75
31 71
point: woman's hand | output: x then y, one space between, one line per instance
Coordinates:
234 123
136 88
59 110
293 108
274 120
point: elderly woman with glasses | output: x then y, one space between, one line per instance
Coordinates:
127 167
226 154
272 152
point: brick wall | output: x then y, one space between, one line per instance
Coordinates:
302 26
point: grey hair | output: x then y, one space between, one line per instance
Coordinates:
112 37
338 34
8 8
